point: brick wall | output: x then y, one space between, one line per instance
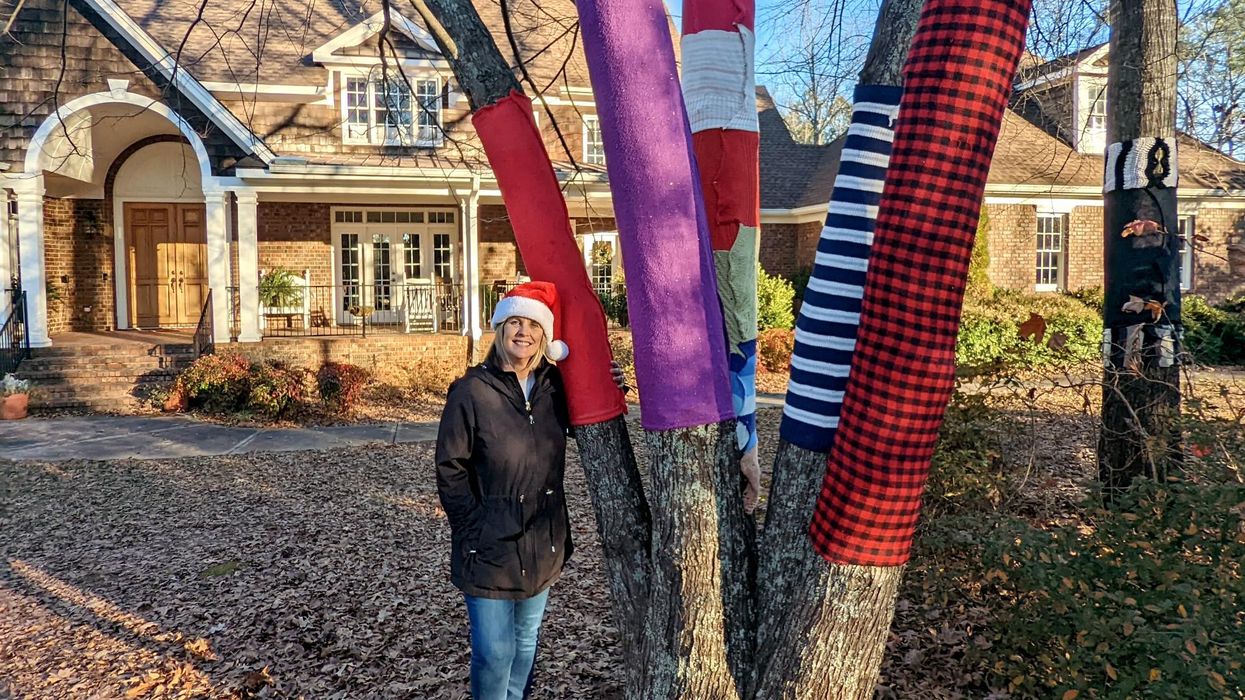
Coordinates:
79 265
1084 260
296 236
393 359
499 255
1013 245
1219 262
786 249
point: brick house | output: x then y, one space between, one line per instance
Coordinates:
1044 193
165 158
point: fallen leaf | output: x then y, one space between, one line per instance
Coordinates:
1034 328
1071 695
1200 238
1134 305
1155 308
1142 227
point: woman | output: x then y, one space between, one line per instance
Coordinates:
501 455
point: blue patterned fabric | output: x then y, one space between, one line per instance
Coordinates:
743 371
825 333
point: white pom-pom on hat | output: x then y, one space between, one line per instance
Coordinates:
537 301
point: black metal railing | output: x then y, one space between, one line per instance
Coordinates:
14 334
205 335
354 310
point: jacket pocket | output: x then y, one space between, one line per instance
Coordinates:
492 556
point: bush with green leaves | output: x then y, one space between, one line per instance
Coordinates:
991 337
614 302
774 348
1214 335
217 383
276 390
775 301
967 472
1143 601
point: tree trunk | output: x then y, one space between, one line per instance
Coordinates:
623 522
1141 390
698 614
801 651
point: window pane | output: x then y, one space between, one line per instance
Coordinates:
382 289
442 257
1187 229
350 270
412 258
1050 251
429 119
594 148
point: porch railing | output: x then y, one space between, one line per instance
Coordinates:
204 340
614 301
14 333
355 310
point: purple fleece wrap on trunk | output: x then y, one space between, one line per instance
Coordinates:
672 299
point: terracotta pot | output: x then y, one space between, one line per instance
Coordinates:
14 407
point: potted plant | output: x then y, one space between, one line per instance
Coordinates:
14 398
280 288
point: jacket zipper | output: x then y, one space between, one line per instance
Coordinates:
522 518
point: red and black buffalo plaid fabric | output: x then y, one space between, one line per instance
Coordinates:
956 85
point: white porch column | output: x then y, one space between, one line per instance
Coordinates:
248 265
472 309
6 257
217 211
31 263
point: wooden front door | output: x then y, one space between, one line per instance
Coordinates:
167 252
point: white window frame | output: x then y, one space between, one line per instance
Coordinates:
1060 253
376 133
591 155
588 241
1187 227
1097 96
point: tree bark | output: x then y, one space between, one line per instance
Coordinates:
1141 389
823 627
696 613
483 73
624 524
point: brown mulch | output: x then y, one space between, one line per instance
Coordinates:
324 574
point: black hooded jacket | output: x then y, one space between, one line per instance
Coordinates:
500 464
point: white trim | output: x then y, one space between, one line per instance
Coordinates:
410 83
164 62
799 215
369 28
32 262
34 149
267 92
1085 65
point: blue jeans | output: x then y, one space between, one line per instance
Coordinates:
504 634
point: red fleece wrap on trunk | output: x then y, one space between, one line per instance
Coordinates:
956 84
542 229
728 160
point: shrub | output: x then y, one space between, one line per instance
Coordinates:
799 282
1089 296
341 385
615 305
774 348
218 383
276 389
979 264
967 473
1214 335
990 337
1140 602
775 301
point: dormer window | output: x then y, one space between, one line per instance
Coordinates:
383 112
1098 109
594 146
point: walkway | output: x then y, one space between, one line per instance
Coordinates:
167 437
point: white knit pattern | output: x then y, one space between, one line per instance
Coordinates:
1128 162
719 80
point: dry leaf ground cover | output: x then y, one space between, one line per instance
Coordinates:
323 574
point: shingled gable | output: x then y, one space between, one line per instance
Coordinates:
337 49
168 64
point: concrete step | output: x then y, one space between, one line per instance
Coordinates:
102 350
123 366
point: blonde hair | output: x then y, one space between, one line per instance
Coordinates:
497 353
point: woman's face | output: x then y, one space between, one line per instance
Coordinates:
521 338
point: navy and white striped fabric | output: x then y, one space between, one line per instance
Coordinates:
825 333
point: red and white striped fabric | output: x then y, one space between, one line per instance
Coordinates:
719 90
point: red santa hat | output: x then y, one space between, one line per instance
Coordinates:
537 301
